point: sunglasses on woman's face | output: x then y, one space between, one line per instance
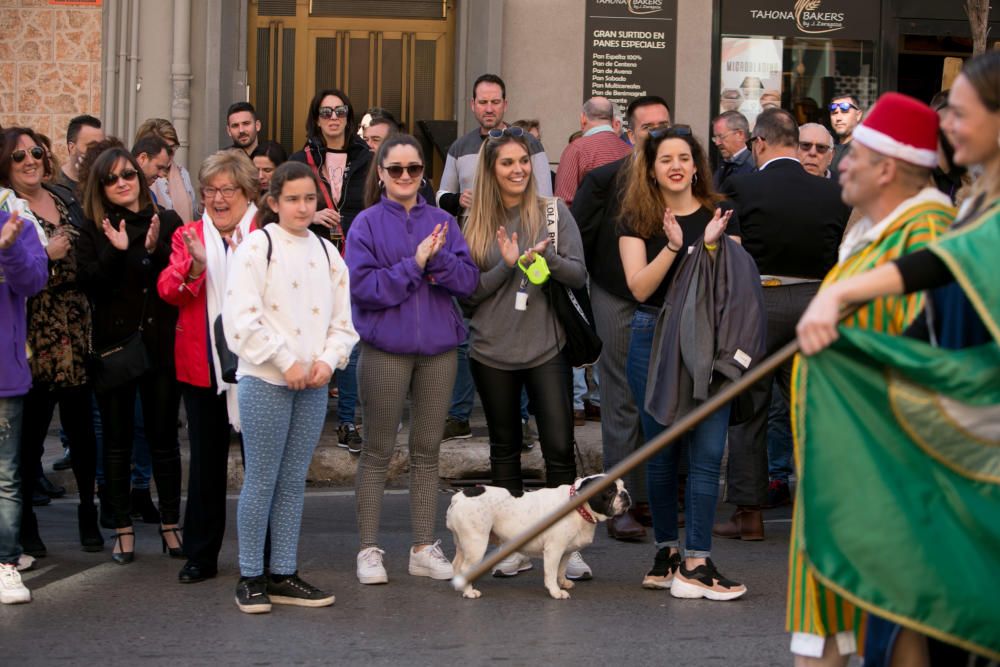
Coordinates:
500 132
327 113
412 170
127 174
37 152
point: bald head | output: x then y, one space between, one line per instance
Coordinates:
598 111
815 150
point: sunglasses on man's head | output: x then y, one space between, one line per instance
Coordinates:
500 132
842 106
412 170
127 174
671 131
36 152
329 112
806 146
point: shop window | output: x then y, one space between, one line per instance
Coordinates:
800 74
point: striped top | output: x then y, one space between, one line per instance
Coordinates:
584 155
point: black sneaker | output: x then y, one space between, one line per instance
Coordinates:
349 438
251 595
778 494
456 429
705 581
290 589
665 565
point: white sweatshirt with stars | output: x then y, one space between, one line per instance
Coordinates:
297 307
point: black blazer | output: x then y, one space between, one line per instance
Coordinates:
595 209
791 221
117 283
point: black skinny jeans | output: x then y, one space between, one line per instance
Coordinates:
550 393
205 513
74 415
160 403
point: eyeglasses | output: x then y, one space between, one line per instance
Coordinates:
500 132
806 146
37 152
412 170
722 137
227 192
671 131
125 175
842 106
329 112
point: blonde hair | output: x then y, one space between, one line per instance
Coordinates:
487 213
234 164
162 128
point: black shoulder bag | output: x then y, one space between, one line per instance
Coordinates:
122 362
571 306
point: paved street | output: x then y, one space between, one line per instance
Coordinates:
87 610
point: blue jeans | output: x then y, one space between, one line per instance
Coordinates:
280 431
464 393
779 437
705 444
582 392
11 411
347 389
142 460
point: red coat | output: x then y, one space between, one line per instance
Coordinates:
191 342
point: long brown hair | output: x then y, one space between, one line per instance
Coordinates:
983 72
487 212
642 202
95 201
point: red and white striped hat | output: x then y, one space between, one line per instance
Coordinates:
902 127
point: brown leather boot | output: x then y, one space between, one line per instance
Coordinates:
746 523
625 527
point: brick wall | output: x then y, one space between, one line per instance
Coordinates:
50 66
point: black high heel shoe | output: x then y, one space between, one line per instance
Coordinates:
123 557
175 552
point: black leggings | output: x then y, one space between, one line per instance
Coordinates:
160 404
75 417
550 392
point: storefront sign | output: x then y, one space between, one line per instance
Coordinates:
630 49
751 75
838 19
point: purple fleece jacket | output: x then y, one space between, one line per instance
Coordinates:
24 270
397 307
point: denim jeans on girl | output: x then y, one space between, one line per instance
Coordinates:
704 446
280 430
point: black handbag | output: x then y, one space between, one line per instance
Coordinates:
227 360
571 306
122 362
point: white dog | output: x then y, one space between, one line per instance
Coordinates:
475 513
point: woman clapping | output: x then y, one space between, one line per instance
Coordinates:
195 282
407 261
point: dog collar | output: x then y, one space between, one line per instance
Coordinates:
587 516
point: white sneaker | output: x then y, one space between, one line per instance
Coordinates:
430 562
512 565
25 563
577 569
370 568
12 590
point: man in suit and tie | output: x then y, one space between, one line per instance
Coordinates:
730 132
791 223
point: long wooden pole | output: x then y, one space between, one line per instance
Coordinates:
636 458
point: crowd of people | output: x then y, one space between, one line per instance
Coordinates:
282 281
